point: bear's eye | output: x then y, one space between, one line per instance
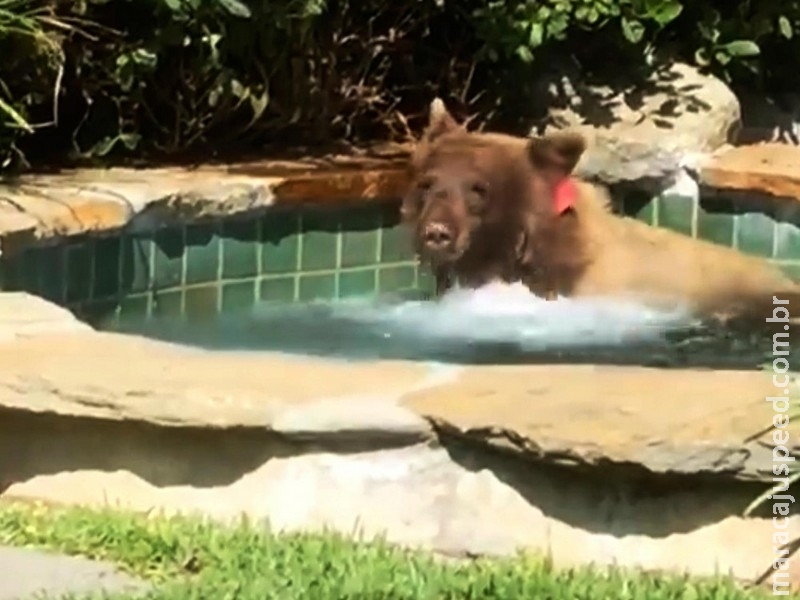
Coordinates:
479 189
425 184
476 198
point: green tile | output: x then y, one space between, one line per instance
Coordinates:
360 237
787 244
79 272
31 267
755 234
359 248
390 214
79 311
792 271
397 245
101 314
676 213
106 267
277 289
426 283
396 237
202 253
393 279
200 303
240 246
238 296
715 220
617 201
11 274
28 269
135 271
280 242
168 304
357 283
52 274
639 206
134 308
319 240
168 259
410 295
317 287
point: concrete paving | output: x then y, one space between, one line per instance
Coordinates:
30 574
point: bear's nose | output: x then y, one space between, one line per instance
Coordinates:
437 236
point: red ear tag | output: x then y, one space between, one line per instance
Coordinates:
564 195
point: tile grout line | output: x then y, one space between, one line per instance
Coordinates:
151 267
656 205
376 278
338 260
220 259
92 262
774 239
299 258
65 273
259 258
184 269
120 262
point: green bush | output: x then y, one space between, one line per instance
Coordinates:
200 78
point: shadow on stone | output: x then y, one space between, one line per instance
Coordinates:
621 500
33 445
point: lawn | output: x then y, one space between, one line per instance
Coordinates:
191 559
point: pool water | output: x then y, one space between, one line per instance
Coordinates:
499 324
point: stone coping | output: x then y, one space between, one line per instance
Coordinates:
643 420
89 200
71 202
768 169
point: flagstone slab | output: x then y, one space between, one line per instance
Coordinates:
666 420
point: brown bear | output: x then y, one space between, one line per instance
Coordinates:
488 206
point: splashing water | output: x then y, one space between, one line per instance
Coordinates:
496 323
503 313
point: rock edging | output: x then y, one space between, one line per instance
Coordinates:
577 415
40 207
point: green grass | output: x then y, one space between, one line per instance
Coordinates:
191 559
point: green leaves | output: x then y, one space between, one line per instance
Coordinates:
742 48
785 27
518 28
16 119
536 36
632 29
107 144
174 5
637 13
166 67
133 66
236 8
666 13
524 54
661 12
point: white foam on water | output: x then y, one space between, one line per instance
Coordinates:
490 323
511 313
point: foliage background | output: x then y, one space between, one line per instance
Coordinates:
183 79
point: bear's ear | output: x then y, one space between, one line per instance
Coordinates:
440 121
555 156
